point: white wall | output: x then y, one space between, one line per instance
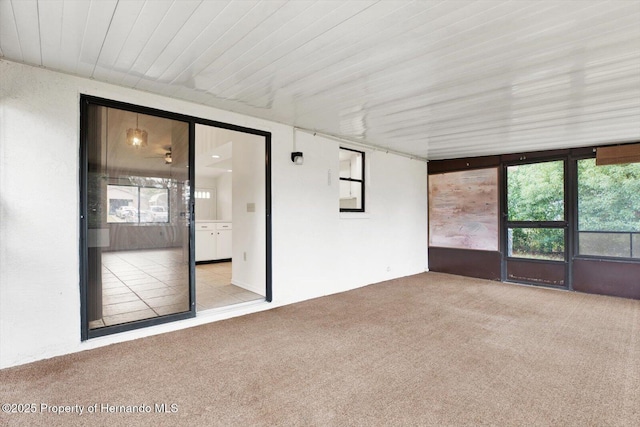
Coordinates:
321 251
224 197
206 209
316 251
249 228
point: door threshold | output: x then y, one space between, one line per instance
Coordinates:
231 308
537 285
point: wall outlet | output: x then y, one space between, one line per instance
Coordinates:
244 255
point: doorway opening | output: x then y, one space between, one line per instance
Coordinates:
230 205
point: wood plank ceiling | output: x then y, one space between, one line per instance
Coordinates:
435 79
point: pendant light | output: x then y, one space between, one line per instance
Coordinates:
137 137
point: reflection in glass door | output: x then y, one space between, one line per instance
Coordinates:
536 226
137 198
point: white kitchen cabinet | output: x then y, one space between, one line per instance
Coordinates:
213 241
223 240
205 244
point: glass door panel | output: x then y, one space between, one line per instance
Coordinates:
137 195
535 192
535 225
536 243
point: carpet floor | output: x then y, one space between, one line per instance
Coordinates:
430 349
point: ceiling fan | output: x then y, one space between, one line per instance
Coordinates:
166 156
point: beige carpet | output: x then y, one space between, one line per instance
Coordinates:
431 349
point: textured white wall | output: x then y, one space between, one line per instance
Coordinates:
325 251
316 251
39 294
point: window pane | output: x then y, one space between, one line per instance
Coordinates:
350 195
605 244
608 197
154 205
122 203
536 243
608 201
350 164
535 192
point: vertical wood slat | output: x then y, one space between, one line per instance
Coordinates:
9 41
74 17
124 24
176 20
51 18
95 31
26 14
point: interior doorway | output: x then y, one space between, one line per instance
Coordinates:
230 198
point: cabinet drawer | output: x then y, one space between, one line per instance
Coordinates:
223 226
206 226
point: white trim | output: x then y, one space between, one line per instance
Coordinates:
360 145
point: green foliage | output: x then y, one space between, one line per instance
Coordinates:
547 243
608 200
608 197
536 192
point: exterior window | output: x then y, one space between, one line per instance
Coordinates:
536 191
608 209
134 204
351 180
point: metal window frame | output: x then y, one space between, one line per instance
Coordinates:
576 231
361 181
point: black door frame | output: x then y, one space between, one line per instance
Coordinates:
85 101
267 137
564 225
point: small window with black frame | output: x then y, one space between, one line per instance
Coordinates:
351 180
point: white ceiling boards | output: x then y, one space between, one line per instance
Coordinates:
436 79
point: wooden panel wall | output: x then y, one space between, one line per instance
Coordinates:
615 278
465 262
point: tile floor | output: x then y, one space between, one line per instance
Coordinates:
149 283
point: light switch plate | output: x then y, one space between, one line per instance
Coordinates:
251 207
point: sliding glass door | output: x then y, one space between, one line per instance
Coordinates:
136 214
535 229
